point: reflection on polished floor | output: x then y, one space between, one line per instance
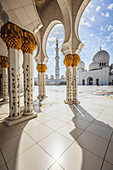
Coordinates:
62 136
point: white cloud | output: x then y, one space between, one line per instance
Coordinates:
105 15
51 39
98 8
91 34
110 27
102 28
87 10
110 6
102 14
85 23
92 19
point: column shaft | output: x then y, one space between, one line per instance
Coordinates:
68 85
75 86
41 85
28 84
14 87
5 83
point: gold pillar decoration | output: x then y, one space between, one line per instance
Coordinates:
41 68
12 35
68 61
29 43
76 60
4 61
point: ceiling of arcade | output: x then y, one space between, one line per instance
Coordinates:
35 14
41 3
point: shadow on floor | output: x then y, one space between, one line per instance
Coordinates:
93 139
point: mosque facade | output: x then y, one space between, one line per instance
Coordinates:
99 73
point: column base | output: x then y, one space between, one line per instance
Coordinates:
22 119
13 118
68 102
4 101
41 97
28 113
76 102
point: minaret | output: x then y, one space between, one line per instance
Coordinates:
57 68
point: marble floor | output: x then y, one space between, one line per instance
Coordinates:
62 136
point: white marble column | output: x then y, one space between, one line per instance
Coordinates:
41 85
14 86
5 83
75 86
28 84
68 85
76 60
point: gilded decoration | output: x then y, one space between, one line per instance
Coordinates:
76 60
41 68
12 35
29 44
72 60
68 61
4 61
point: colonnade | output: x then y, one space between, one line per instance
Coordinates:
71 61
18 39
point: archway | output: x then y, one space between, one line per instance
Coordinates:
83 82
90 81
97 82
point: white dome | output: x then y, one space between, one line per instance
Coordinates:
52 77
81 65
62 77
101 56
94 66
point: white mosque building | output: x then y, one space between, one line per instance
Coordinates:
99 73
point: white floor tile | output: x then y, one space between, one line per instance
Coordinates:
55 144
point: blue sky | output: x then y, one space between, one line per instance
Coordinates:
95 29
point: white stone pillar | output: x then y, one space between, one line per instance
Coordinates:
68 62
41 85
14 86
75 86
5 83
41 81
28 84
68 85
76 60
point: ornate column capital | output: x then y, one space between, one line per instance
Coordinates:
29 43
41 68
12 35
76 60
68 61
4 61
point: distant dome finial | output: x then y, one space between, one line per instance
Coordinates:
100 48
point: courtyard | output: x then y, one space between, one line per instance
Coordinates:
62 136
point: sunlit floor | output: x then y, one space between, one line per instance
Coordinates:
62 136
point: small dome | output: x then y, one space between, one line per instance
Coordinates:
81 65
101 56
62 77
51 77
94 66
